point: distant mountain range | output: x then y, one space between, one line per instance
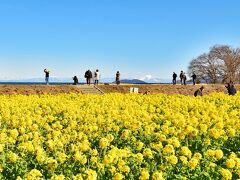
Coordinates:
157 80
132 81
104 80
39 80
140 81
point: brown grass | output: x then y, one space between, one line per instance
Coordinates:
166 89
154 89
37 89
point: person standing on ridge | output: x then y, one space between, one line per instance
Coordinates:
75 79
46 76
194 77
174 78
181 77
88 76
118 78
96 77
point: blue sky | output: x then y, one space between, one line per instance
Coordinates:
136 37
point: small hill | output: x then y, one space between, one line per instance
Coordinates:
132 81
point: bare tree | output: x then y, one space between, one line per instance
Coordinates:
230 57
221 64
206 68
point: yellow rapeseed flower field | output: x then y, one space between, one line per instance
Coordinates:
119 136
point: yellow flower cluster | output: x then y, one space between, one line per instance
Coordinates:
119 136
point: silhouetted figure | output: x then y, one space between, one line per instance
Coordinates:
118 78
75 80
46 76
184 78
96 77
181 77
231 89
88 76
146 93
199 92
174 78
194 77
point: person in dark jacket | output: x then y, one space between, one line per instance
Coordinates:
88 76
146 92
199 92
194 77
46 76
174 78
181 77
231 89
75 80
118 78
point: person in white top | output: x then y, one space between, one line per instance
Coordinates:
96 77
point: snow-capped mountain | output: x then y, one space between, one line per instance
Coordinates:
150 79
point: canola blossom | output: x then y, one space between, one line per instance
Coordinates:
119 136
